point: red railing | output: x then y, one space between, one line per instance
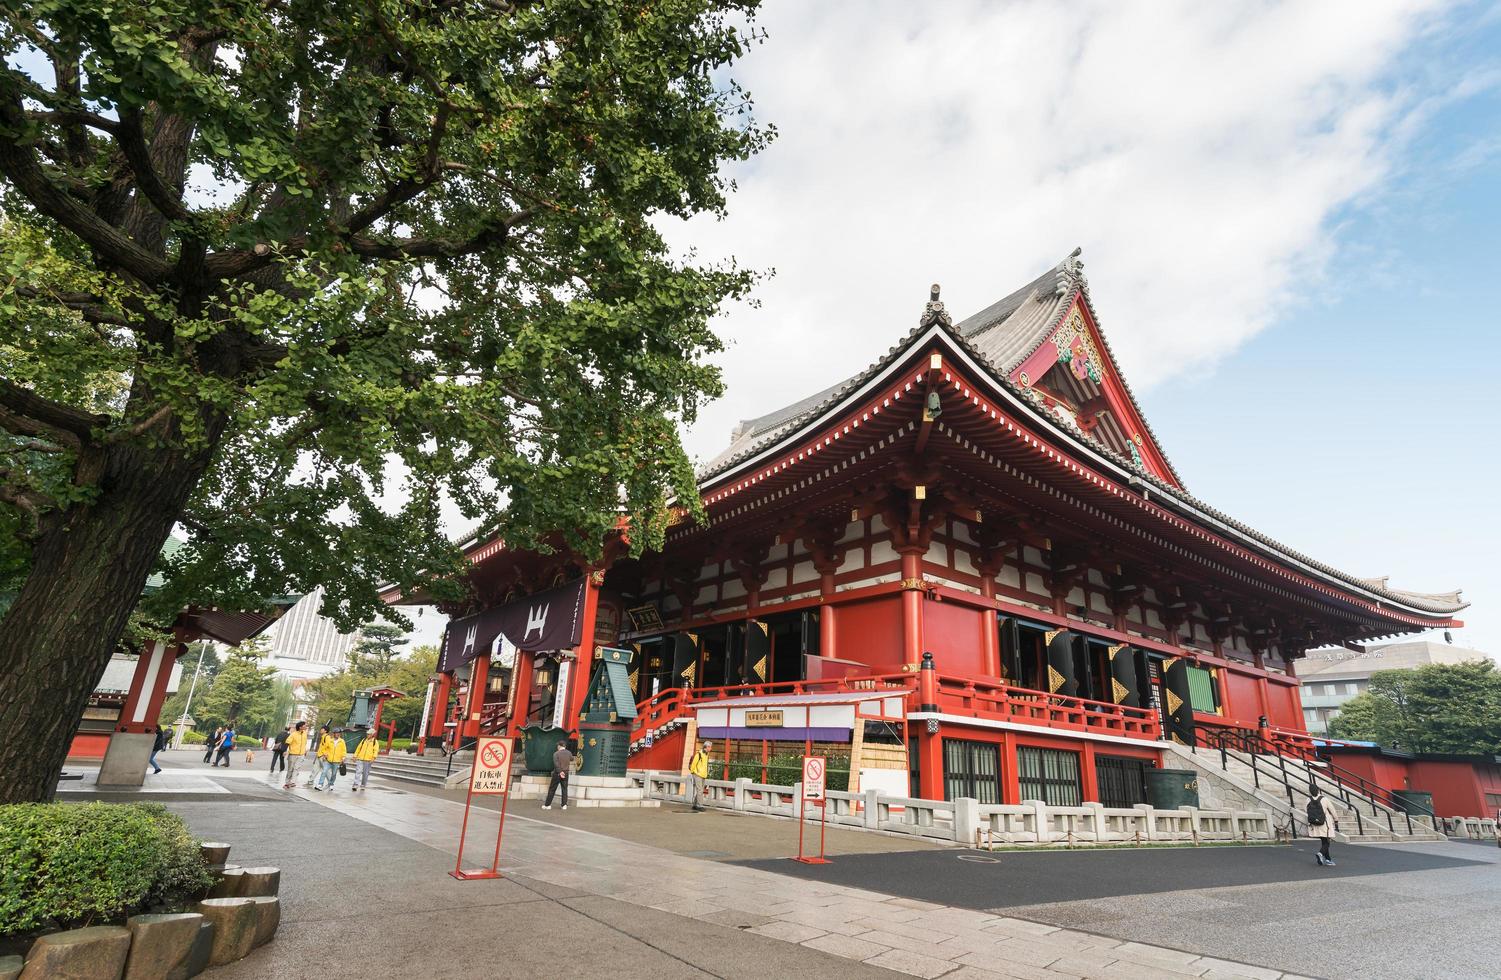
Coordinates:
956 695
982 699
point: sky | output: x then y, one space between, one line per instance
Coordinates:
1289 214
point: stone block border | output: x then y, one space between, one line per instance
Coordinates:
238 913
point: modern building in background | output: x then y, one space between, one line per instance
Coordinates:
306 645
1333 676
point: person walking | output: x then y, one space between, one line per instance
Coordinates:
211 745
279 750
297 750
157 746
698 776
1323 821
331 753
364 754
562 765
316 769
226 746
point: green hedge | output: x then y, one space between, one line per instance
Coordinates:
70 864
194 738
784 769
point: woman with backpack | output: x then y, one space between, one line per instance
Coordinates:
1323 821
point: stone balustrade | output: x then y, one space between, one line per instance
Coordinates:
967 821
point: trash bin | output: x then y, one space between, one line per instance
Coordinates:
1415 802
604 749
1168 789
538 744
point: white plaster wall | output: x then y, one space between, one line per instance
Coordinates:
733 589
852 530
804 571
963 562
1010 575
962 533
1034 584
882 551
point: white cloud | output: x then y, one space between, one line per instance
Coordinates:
1198 152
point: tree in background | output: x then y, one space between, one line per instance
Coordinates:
255 254
242 694
177 702
378 646
333 695
1448 708
409 675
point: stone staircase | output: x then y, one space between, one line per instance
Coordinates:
1280 785
431 769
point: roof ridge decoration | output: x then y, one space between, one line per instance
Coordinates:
934 311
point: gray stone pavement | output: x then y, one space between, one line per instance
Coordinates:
1435 917
923 939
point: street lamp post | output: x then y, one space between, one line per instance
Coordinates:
177 741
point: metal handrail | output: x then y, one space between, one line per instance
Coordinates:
1376 797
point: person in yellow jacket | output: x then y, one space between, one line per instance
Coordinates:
364 754
698 775
331 752
296 752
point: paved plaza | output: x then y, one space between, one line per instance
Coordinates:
670 893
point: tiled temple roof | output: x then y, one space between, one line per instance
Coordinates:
1000 338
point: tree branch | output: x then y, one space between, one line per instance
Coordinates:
19 163
132 142
142 427
26 413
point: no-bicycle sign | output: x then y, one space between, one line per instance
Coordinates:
813 777
492 766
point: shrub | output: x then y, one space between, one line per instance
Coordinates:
400 744
248 742
78 864
194 738
783 769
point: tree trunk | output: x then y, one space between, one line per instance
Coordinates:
87 576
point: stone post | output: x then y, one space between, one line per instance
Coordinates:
742 792
873 809
1040 822
966 820
1097 820
1148 821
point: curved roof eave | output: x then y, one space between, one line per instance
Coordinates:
1118 468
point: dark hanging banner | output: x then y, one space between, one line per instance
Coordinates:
551 620
684 659
757 652
1177 708
1061 676
1123 676
1011 651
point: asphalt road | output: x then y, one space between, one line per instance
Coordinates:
1007 879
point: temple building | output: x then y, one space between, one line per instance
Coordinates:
969 570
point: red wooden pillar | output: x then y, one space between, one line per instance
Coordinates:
148 686
578 677
912 599
990 653
479 680
521 691
1011 786
929 742
1089 782
438 713
827 633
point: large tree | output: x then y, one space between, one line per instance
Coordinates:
290 275
1450 708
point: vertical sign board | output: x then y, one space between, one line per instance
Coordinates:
815 775
491 776
560 717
